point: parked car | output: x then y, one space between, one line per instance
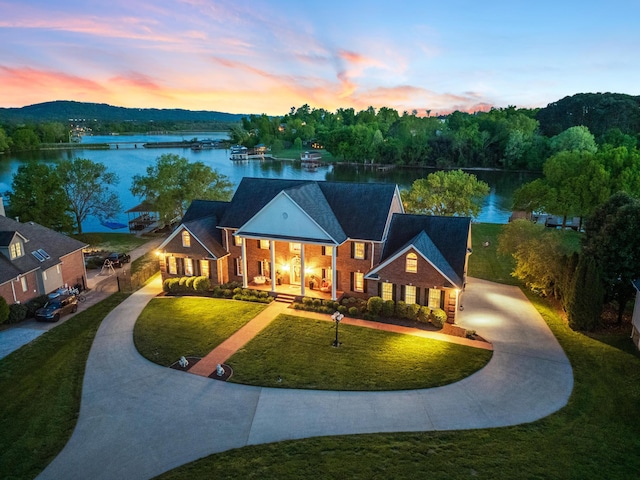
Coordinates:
57 305
118 259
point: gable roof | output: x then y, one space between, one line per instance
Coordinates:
442 240
36 237
201 220
359 210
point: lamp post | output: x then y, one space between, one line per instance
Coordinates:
337 316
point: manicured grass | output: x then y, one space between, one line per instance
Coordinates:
299 351
40 388
112 242
171 327
485 262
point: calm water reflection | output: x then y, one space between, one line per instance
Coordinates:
132 159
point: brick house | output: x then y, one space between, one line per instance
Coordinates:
331 239
35 260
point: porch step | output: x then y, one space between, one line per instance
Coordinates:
285 298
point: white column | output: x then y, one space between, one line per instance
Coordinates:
245 281
334 273
272 249
302 269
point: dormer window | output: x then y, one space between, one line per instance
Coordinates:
15 250
186 239
412 263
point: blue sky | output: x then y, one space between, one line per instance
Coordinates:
267 56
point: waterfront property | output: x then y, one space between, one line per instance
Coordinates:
35 260
323 239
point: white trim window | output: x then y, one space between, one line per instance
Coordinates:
186 239
358 282
387 291
188 267
409 294
435 297
173 266
237 241
411 263
327 250
358 250
23 282
15 250
295 247
239 266
204 268
264 245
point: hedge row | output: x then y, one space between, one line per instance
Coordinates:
373 308
186 284
19 312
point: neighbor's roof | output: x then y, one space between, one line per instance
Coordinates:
356 210
55 244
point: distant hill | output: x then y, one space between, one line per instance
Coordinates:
599 112
63 110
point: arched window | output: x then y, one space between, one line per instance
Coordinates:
186 239
412 263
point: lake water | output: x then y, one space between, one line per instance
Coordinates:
130 159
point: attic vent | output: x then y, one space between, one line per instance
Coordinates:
40 254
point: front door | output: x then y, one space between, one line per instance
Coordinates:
295 271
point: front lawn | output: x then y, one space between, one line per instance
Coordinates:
171 327
299 352
40 389
111 242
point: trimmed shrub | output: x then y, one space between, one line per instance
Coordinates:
389 308
354 312
317 302
401 309
189 283
438 317
423 314
374 305
342 309
412 311
17 313
202 284
4 310
307 301
182 282
34 304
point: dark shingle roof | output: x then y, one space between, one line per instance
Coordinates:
360 209
55 244
448 235
202 219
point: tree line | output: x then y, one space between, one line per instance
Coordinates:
505 138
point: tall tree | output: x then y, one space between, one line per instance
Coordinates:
446 193
577 138
173 183
38 195
612 240
86 184
586 296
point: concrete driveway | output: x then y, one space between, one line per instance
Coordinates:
138 419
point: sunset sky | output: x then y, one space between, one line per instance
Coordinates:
264 56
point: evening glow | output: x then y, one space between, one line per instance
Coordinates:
267 56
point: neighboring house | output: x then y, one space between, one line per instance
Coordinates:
35 260
635 322
323 239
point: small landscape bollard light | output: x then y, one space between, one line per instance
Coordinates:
337 316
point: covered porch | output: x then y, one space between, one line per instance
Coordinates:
294 290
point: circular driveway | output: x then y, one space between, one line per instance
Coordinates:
138 419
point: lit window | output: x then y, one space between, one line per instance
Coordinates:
327 251
387 291
23 282
173 268
358 250
44 275
188 267
204 268
434 298
358 282
410 294
295 247
264 268
264 244
412 263
186 239
237 240
16 250
327 274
